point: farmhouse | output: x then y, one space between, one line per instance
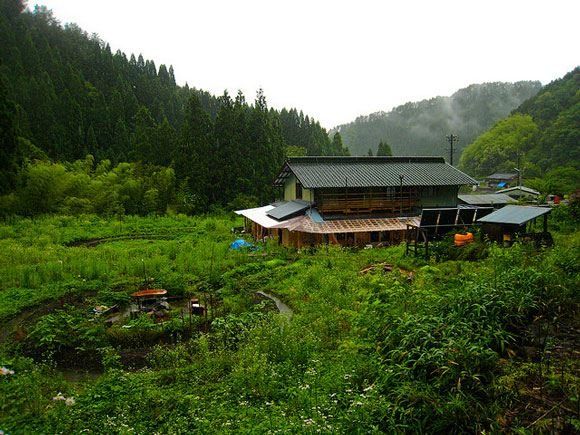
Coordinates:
500 180
354 201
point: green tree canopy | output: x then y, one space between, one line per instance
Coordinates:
498 149
384 149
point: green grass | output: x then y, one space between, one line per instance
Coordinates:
370 353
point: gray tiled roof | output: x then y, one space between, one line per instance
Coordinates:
490 198
328 172
501 176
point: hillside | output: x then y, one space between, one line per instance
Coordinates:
543 134
64 94
420 128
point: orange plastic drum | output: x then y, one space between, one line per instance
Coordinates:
462 239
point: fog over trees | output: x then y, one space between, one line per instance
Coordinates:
419 128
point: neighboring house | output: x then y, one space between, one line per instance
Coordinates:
520 192
354 200
516 221
501 180
495 200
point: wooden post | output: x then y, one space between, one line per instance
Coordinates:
190 314
546 223
205 308
211 296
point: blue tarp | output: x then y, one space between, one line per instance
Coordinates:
241 243
504 184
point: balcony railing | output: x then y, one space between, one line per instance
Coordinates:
366 203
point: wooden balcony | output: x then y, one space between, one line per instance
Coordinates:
367 203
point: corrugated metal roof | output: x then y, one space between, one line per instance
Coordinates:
288 209
353 225
515 214
314 215
259 216
486 199
329 172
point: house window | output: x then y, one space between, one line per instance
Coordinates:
298 190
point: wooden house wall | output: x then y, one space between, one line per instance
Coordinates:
428 196
290 190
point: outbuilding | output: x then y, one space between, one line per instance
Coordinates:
500 179
515 221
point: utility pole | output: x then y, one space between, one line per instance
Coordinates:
452 138
519 172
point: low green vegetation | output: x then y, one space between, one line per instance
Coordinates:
460 342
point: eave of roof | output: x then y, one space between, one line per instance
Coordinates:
338 172
521 189
353 225
260 216
314 224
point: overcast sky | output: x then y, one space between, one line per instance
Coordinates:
333 59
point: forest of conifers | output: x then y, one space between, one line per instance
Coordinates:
64 95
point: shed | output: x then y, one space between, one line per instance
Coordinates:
500 179
515 221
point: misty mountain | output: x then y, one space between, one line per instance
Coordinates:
420 128
541 137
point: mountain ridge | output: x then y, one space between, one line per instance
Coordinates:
419 128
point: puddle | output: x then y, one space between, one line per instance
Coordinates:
284 309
